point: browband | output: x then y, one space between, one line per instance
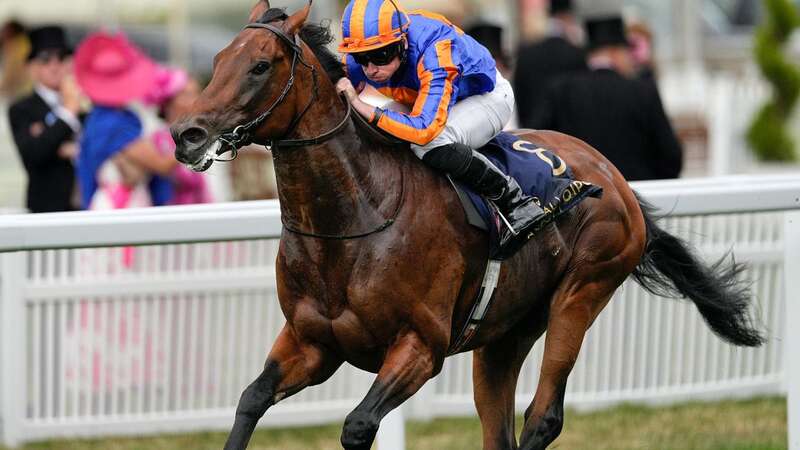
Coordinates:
294 43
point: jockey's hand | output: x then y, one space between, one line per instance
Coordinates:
345 86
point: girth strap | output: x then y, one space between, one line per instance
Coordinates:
479 308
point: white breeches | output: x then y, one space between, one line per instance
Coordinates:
475 120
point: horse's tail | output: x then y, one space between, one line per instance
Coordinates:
670 269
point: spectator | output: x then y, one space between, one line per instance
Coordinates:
46 122
15 47
173 94
641 40
539 63
620 116
118 167
491 36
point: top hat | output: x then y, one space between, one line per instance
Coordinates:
491 37
606 32
112 71
560 6
49 38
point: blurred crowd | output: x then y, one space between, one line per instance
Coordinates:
91 123
593 78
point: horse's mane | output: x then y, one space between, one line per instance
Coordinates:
317 37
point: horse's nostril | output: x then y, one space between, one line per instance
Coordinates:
194 136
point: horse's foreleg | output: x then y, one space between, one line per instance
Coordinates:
495 369
409 363
570 318
291 366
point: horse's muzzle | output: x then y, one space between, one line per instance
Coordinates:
191 142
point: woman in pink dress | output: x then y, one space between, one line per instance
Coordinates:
173 92
118 168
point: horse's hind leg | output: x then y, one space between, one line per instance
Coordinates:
571 315
291 366
495 369
409 363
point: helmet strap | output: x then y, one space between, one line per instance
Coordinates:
404 36
403 50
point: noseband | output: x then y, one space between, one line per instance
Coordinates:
241 135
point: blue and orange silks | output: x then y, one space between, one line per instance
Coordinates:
443 65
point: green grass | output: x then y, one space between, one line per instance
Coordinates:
731 425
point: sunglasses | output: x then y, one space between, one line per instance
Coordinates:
380 57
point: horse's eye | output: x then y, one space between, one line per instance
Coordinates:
260 68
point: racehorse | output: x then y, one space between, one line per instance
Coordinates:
378 267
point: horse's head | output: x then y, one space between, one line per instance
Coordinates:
249 97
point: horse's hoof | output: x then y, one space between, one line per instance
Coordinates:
359 431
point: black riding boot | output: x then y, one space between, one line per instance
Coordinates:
523 217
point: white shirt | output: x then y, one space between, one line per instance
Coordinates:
53 100
600 61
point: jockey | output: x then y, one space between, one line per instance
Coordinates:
458 99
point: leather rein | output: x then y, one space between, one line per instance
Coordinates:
241 135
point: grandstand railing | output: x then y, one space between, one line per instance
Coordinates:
100 339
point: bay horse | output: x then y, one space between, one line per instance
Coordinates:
378 267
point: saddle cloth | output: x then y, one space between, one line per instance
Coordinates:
539 172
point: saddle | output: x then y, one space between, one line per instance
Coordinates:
539 172
542 175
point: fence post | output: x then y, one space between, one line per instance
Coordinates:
12 346
392 432
721 126
792 298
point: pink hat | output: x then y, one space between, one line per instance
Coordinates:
111 70
167 84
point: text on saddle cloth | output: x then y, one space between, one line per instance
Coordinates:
539 172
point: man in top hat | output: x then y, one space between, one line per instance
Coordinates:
541 62
491 36
46 122
618 114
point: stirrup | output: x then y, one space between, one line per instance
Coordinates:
512 242
505 221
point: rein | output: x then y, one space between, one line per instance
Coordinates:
388 223
241 135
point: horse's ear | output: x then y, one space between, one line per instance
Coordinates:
295 22
258 10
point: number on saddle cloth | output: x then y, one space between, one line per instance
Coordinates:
539 172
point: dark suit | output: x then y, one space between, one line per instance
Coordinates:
39 133
538 64
622 118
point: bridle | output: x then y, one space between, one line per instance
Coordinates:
241 135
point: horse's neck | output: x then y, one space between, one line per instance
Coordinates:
342 187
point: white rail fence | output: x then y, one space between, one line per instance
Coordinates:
731 104
102 340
